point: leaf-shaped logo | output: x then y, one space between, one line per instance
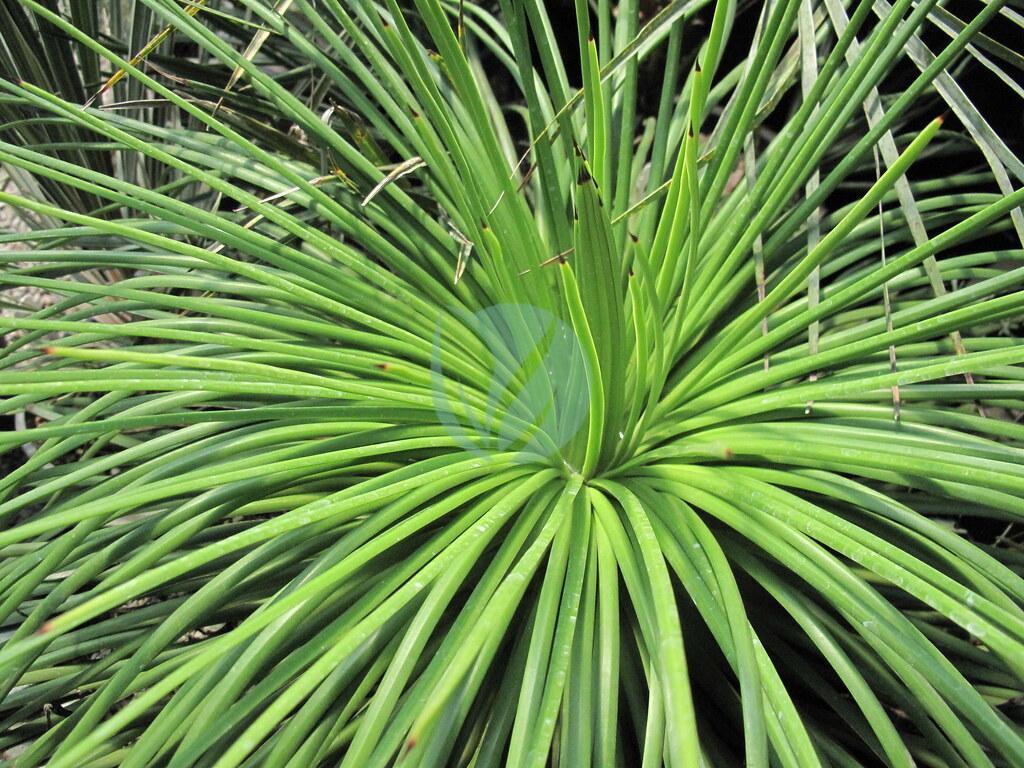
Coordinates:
533 397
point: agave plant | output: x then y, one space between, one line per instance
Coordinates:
425 386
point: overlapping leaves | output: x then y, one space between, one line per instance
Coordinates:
246 536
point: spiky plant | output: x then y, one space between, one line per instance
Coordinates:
422 390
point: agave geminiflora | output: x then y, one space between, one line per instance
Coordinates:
247 536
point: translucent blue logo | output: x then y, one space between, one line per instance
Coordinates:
533 398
